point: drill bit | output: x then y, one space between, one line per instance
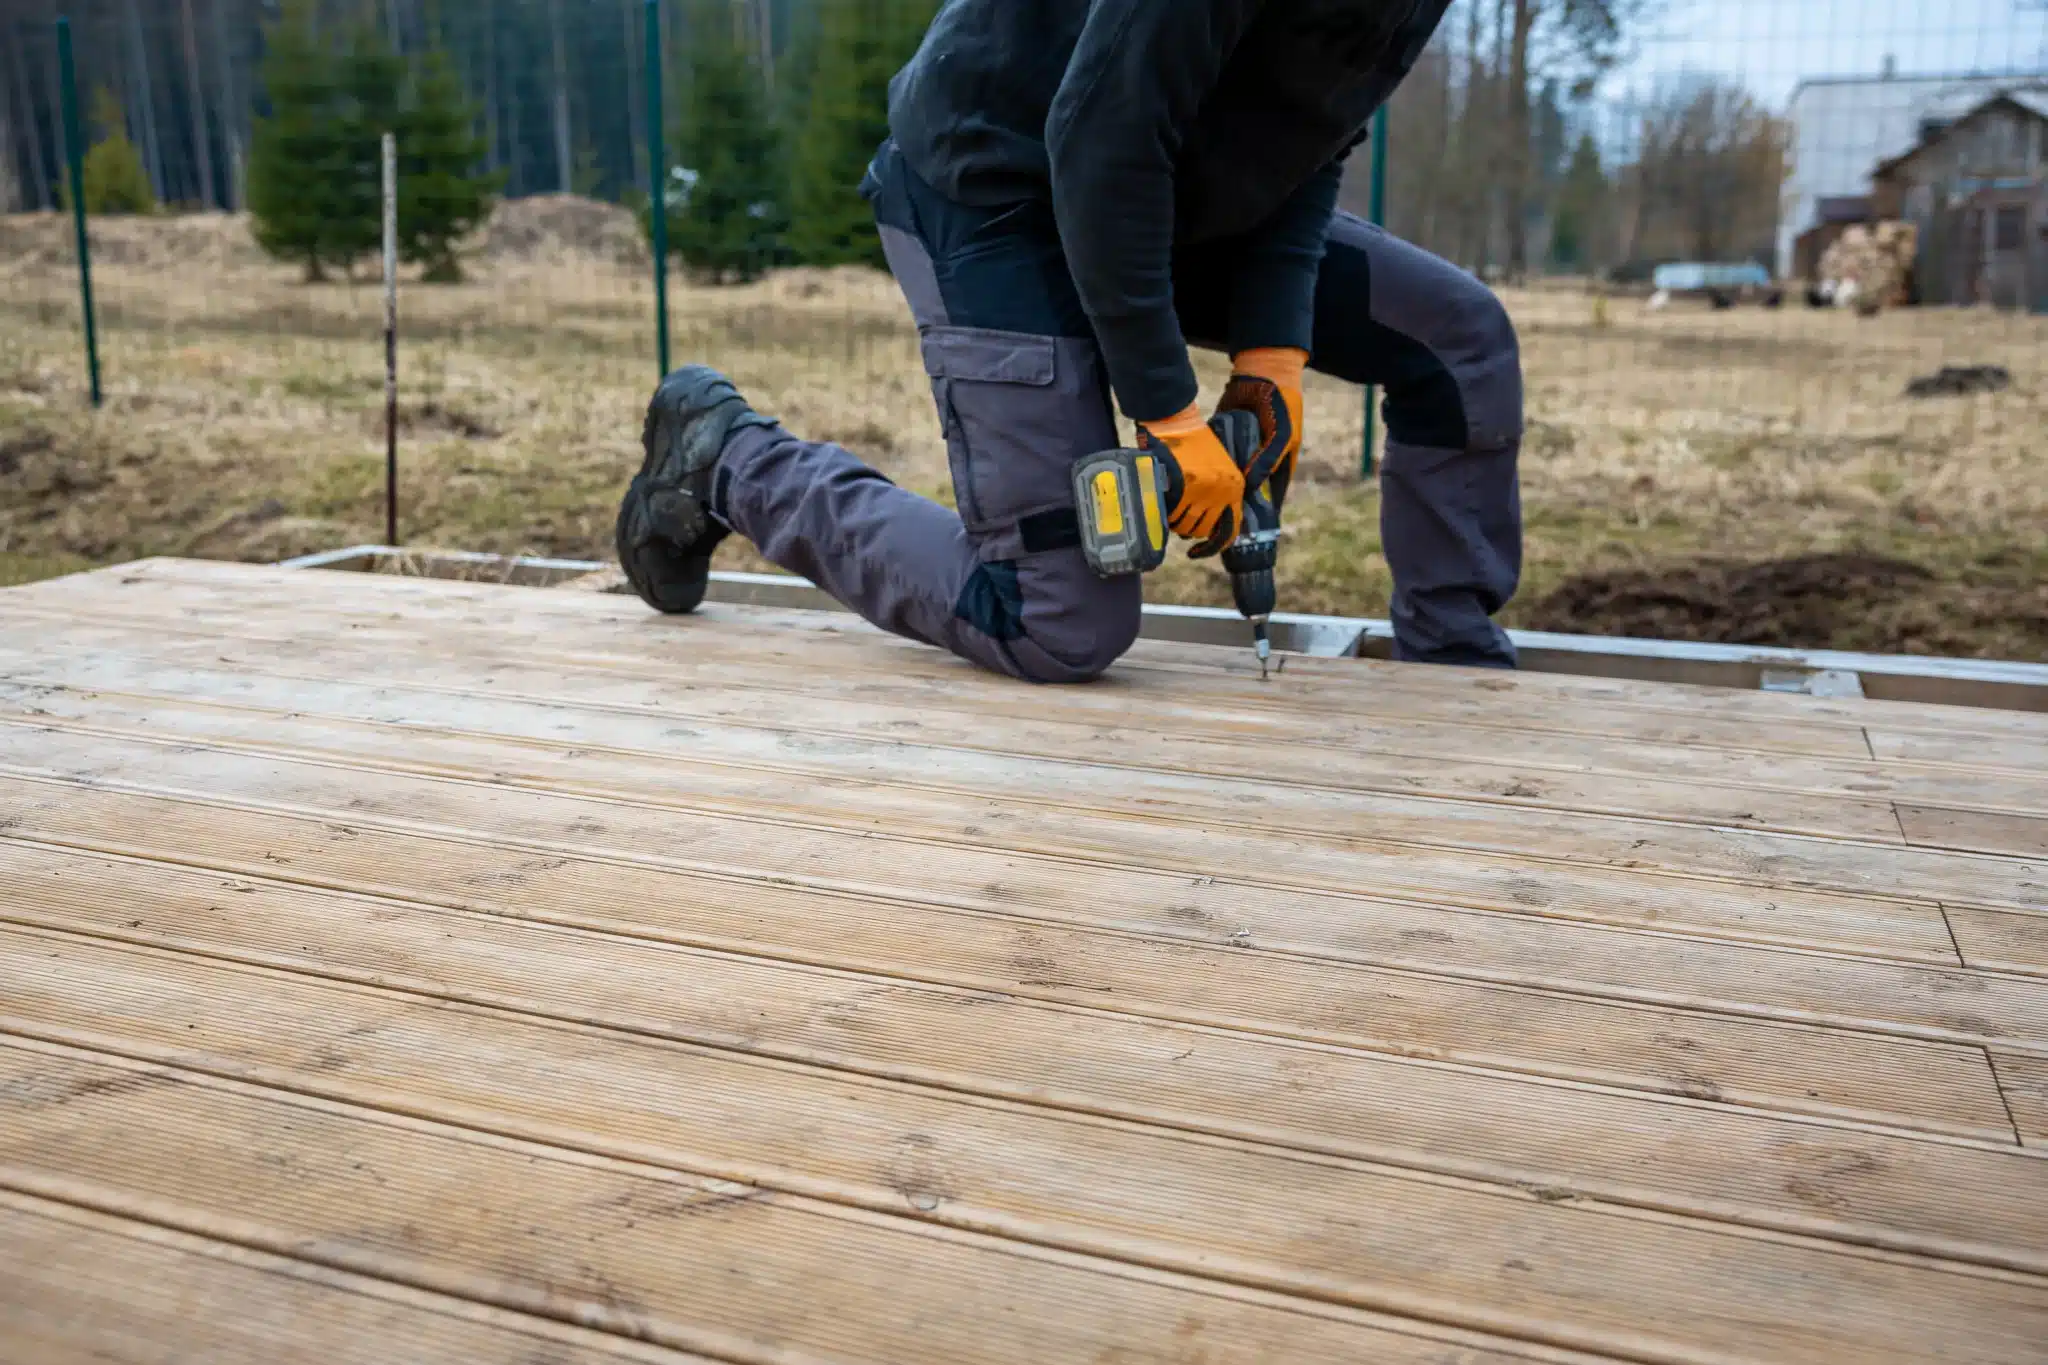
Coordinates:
1261 646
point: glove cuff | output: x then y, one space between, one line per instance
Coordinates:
1186 422
1282 365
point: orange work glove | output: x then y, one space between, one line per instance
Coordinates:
1211 484
1266 382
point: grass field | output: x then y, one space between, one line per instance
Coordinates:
1746 475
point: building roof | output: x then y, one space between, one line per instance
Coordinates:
2034 102
1842 128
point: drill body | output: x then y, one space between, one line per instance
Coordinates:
1121 496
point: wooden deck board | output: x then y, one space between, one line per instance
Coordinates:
501 968
86 1289
1027 859
647 758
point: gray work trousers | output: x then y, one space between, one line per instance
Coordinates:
1021 395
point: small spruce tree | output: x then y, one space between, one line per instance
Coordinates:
371 79
1582 201
860 45
299 168
726 195
116 181
443 194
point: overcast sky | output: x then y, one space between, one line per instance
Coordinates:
1773 44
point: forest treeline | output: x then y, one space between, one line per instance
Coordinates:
1499 160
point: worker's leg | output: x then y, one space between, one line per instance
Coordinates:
1441 346
1021 395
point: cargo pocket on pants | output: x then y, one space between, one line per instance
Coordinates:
1018 410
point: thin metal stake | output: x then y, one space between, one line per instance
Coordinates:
657 186
390 339
1377 209
74 152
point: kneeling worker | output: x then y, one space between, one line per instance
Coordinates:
1073 193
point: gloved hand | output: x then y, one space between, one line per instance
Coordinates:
1211 484
1267 383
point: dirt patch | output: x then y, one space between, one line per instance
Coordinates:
1840 601
1959 380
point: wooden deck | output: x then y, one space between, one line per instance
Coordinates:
401 971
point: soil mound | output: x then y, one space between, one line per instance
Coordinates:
1820 601
557 227
1959 380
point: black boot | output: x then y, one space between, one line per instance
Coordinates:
667 524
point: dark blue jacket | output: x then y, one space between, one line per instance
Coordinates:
1152 122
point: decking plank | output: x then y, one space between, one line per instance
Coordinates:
1581 705
1934 1087
81 1288
2002 941
1334 677
682 1260
790 769
1027 855
748 724
884 1176
2025 1080
507 959
742 677
464 846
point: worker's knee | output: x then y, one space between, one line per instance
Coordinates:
1479 347
1070 625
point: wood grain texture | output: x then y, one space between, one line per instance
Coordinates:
589 662
80 1288
401 969
2025 1080
784 771
746 726
677 1259
983 855
1355 679
597 1080
430 1203
1659 1040
1932 1087
2023 836
2005 942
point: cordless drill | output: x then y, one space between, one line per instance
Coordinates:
1122 497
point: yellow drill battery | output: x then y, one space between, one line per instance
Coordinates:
1120 499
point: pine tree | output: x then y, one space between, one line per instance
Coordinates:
861 44
299 167
1578 228
115 179
371 78
727 210
443 192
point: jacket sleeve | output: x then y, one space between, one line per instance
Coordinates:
1273 296
1137 78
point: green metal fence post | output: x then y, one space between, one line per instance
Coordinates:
74 153
1377 210
657 182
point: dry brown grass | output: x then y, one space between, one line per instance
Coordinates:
244 408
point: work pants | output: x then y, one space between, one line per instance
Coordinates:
1022 394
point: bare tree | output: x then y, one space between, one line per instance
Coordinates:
1710 170
39 169
144 106
1570 40
195 89
228 106
565 152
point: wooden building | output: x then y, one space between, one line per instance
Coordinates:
1978 191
